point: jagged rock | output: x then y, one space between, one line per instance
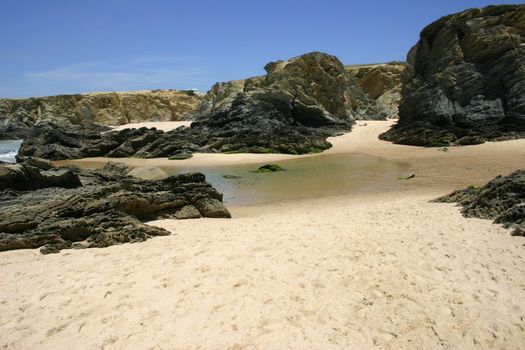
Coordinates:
465 78
94 208
501 200
381 83
293 109
112 108
27 176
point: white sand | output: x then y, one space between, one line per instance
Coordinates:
388 271
164 126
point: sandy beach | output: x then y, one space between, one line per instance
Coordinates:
385 270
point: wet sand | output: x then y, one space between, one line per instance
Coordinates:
381 269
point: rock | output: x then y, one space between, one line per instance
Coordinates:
406 177
465 77
17 116
180 155
39 163
188 212
269 168
212 207
115 168
27 176
470 140
381 83
501 200
293 109
102 209
148 173
231 177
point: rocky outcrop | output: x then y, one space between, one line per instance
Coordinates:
501 200
293 109
381 84
113 108
58 208
311 89
465 80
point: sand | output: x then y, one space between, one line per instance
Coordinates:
164 126
387 271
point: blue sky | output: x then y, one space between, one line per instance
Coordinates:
67 46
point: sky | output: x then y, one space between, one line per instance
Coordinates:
66 46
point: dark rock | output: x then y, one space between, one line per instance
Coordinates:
465 77
269 168
104 207
188 212
26 176
293 109
501 200
180 155
470 140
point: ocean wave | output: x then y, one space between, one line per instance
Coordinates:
8 156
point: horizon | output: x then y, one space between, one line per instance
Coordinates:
130 45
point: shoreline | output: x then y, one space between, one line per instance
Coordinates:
363 270
458 167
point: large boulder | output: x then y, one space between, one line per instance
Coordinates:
57 208
465 80
292 109
112 108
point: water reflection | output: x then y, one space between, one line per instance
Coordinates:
303 178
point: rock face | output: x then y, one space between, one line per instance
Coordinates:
381 83
293 109
465 80
311 89
501 200
113 108
57 208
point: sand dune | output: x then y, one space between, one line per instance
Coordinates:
388 271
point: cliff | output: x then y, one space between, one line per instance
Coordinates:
111 108
381 83
465 80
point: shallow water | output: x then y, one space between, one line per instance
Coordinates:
9 150
306 177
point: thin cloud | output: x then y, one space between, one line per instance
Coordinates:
159 59
138 73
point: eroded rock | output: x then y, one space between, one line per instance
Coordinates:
17 116
501 200
94 208
293 109
380 83
465 80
